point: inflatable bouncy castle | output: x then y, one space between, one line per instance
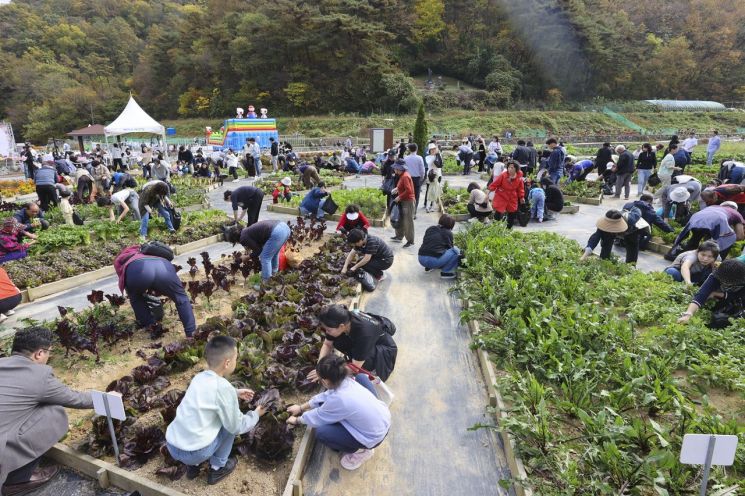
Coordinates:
234 133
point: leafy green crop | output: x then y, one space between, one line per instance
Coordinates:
370 200
602 382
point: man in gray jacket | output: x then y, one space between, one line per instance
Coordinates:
32 413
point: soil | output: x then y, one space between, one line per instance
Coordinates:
80 372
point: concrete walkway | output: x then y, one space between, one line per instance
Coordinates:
439 395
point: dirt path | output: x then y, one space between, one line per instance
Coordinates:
439 395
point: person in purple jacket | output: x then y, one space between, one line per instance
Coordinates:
348 416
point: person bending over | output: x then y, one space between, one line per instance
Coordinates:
348 416
376 255
727 284
263 241
32 411
209 418
363 338
140 273
248 199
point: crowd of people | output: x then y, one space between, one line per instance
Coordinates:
349 417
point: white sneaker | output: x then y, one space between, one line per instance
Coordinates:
10 312
3 317
353 461
236 180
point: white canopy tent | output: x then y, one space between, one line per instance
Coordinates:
134 120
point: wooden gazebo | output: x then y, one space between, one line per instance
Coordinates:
90 130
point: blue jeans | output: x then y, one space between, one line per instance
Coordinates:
269 256
217 451
448 261
336 436
555 177
257 165
146 219
537 206
710 156
674 273
642 175
320 213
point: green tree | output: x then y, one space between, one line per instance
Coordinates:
429 24
421 134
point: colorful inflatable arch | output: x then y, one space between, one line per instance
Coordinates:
235 132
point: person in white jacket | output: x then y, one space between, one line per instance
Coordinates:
208 418
348 416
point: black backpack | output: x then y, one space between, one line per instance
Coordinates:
388 326
157 249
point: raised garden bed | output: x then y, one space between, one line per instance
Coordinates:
372 201
71 256
587 192
279 342
599 379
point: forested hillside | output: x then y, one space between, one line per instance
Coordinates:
62 61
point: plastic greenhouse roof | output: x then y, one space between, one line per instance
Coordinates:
687 104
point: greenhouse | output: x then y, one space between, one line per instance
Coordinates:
687 105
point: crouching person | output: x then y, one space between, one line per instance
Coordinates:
32 411
209 418
438 250
348 416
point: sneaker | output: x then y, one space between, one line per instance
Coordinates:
236 180
409 243
215 476
397 239
192 471
353 461
540 221
10 312
447 275
3 317
427 269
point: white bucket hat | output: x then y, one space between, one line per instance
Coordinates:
680 195
286 181
353 216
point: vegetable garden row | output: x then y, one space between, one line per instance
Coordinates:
601 381
279 344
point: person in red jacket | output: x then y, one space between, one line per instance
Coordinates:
509 192
352 219
404 197
10 296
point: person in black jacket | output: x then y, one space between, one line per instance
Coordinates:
624 171
370 253
645 164
649 214
604 155
249 199
389 175
532 157
554 198
438 251
274 153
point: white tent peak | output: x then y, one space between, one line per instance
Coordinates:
134 120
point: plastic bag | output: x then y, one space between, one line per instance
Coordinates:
366 280
395 216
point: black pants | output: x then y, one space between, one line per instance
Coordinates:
510 216
253 209
117 162
474 213
417 189
466 159
233 171
47 195
23 474
376 266
606 244
9 303
697 235
85 187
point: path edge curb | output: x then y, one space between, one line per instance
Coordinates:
517 468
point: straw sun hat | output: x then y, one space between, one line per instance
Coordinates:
612 222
